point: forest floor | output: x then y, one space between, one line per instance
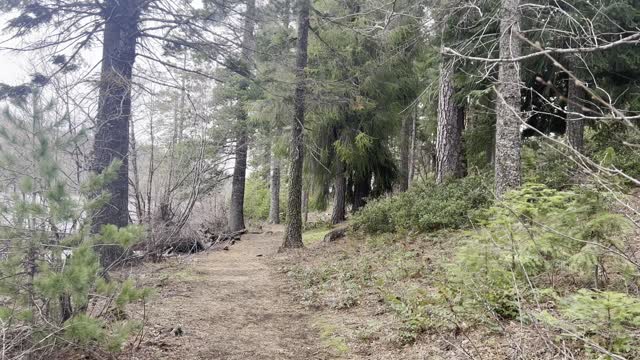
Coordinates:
350 299
251 302
231 305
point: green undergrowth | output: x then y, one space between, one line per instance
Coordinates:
426 207
387 270
331 338
553 261
315 233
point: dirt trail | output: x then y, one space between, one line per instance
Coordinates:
229 305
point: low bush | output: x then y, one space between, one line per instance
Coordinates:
548 259
52 286
425 207
608 143
539 241
604 319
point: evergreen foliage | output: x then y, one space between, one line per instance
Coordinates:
528 79
257 199
371 86
534 237
51 281
606 319
426 207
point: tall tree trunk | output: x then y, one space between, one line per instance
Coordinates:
405 149
361 190
462 162
136 177
412 150
286 19
165 198
293 233
340 188
183 96
491 151
508 143
274 209
114 111
236 210
305 206
575 122
449 132
152 167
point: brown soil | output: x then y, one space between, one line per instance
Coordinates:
230 305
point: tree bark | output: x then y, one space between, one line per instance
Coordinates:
136 177
462 160
274 209
286 19
412 151
236 209
305 205
508 142
405 150
152 167
449 131
293 232
575 122
114 112
361 190
340 187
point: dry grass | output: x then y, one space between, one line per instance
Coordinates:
361 324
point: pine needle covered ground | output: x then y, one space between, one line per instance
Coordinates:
231 305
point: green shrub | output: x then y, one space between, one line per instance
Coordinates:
63 275
608 143
418 311
425 207
531 237
52 287
607 319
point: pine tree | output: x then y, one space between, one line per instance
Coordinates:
363 98
339 194
120 26
405 151
114 112
236 210
273 108
274 186
50 260
449 155
293 232
508 143
574 118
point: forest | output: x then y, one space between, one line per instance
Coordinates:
320 179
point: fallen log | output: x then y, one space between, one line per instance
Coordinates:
231 238
335 234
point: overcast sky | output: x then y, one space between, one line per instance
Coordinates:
16 66
13 69
13 66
